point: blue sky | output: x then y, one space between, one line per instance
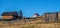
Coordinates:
29 7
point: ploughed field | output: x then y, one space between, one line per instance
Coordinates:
23 24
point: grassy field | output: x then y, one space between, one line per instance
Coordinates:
31 25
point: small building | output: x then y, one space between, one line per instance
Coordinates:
59 16
9 15
51 17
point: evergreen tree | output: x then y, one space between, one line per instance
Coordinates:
20 14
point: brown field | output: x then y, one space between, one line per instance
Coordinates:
29 25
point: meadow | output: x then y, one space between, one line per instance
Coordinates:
28 25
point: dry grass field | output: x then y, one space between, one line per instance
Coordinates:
52 25
29 25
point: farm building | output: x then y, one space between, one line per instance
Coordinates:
9 15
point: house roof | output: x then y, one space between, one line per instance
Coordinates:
8 13
36 15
